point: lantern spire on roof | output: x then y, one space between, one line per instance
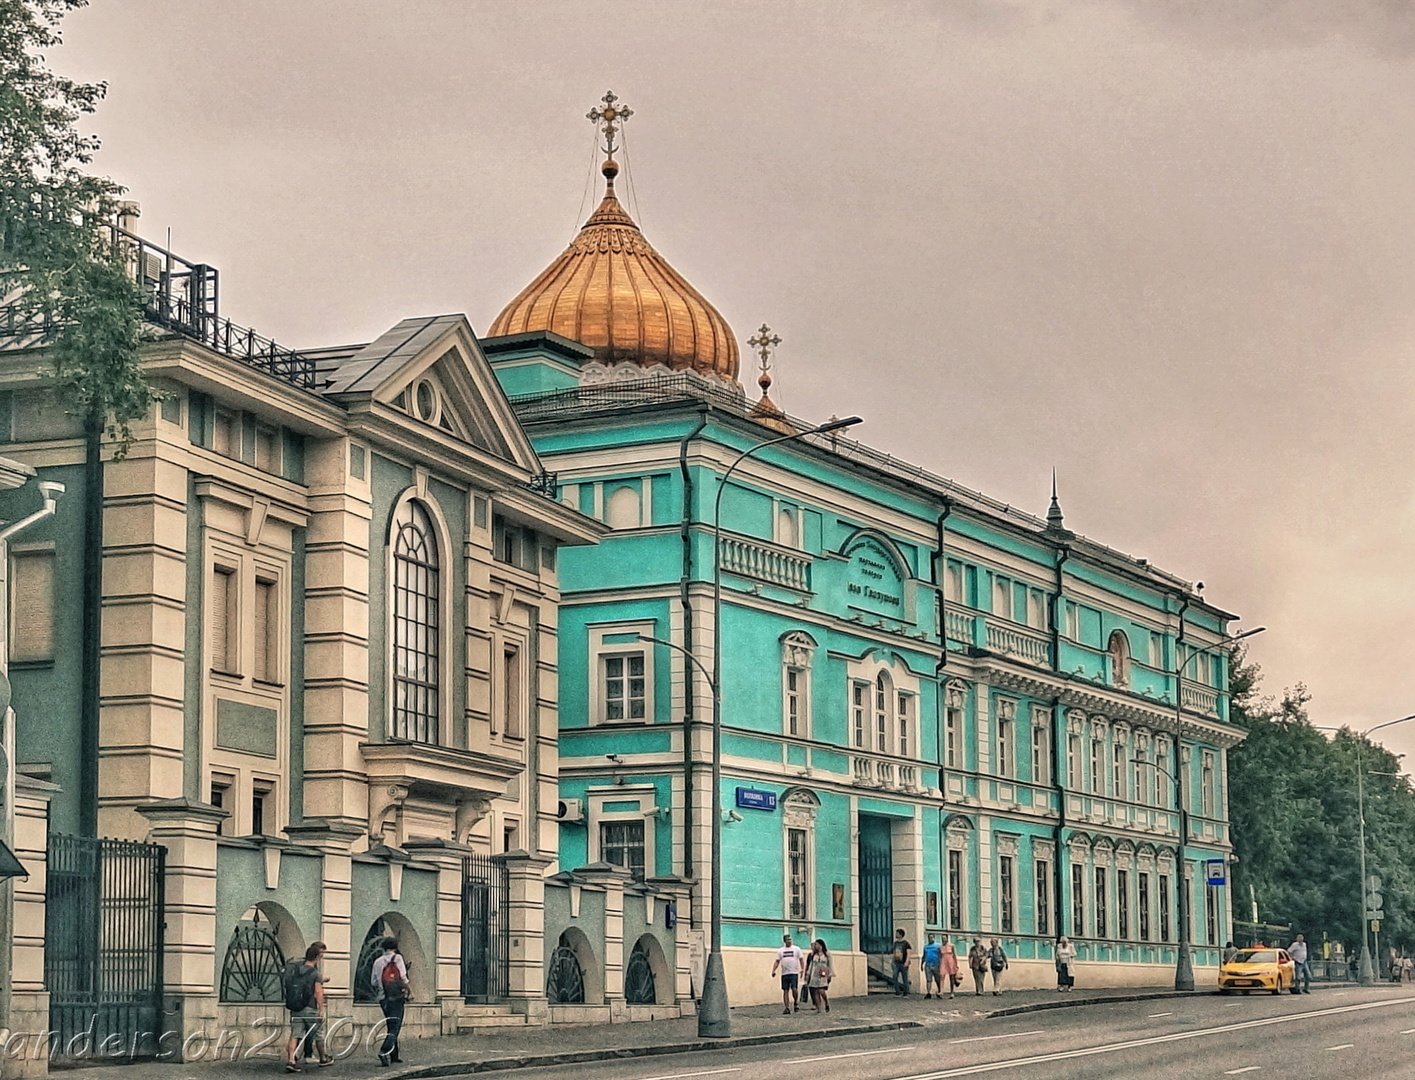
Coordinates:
766 410
1054 517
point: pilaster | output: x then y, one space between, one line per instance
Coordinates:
526 910
612 880
29 999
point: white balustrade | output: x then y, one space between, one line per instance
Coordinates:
1020 642
766 562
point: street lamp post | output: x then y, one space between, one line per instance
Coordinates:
1365 974
714 1020
1184 961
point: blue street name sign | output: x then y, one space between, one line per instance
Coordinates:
1216 870
752 799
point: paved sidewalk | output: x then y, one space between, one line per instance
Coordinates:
501 1049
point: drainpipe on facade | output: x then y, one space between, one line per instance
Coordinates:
1184 965
49 492
92 627
1059 742
685 531
940 561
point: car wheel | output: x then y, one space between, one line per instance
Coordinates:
1224 991
1246 993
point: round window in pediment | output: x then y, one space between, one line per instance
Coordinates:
425 402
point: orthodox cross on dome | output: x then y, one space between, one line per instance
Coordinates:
610 117
764 341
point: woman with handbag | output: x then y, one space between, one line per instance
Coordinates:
948 967
978 965
1065 964
819 972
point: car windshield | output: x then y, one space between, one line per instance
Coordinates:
1254 956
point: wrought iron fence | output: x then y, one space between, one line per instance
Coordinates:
486 929
103 946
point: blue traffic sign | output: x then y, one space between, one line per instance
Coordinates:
1216 871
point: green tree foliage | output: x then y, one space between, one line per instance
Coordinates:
61 271
1293 811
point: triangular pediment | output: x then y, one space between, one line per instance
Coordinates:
433 371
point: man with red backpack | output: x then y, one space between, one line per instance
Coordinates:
390 986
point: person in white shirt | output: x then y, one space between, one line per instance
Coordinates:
789 960
390 989
1301 973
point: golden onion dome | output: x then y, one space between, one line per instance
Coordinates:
612 291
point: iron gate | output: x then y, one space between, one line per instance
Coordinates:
486 929
876 886
103 930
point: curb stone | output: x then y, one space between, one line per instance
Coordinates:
579 1057
1113 999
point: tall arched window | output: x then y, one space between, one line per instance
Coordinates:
416 626
884 697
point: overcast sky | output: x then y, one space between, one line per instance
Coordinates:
1167 248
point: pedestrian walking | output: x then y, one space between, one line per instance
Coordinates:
389 976
789 961
1301 973
1065 965
1229 951
978 965
819 972
997 964
931 965
948 967
304 999
900 953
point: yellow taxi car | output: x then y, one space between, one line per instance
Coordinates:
1257 969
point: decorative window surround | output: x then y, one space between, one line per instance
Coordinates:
619 641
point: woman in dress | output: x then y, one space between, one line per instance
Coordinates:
819 972
948 966
1065 965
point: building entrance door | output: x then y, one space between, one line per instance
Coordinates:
876 885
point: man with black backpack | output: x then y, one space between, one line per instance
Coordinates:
390 985
304 996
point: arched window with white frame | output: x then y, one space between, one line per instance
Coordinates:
798 818
417 626
797 651
884 699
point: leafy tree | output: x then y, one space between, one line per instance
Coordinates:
62 271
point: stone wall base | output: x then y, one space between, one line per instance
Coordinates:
26 1050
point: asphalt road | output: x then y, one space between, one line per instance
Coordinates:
1350 1034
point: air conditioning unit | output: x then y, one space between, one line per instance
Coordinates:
570 810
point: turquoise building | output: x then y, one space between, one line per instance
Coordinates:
939 713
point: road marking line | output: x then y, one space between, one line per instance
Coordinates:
990 1038
679 1076
1232 1005
1343 1046
1408 1031
1153 1015
851 1054
1246 1068
1154 1040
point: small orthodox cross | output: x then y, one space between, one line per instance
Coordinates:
764 341
610 118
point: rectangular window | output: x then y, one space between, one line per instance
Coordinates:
225 433
510 836
1122 903
1041 747
1043 889
1211 914
1078 901
1006 889
798 875
953 583
881 716
512 698
1142 778
267 632
1101 901
224 627
1073 622
1036 609
1156 651
1002 597
1164 779
1120 776
1005 737
624 684
795 700
955 889
858 696
621 843
1164 907
267 449
262 807
32 605
1073 755
906 724
221 788
1144 906
1206 788
953 737
1097 770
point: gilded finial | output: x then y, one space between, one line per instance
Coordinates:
609 117
765 342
